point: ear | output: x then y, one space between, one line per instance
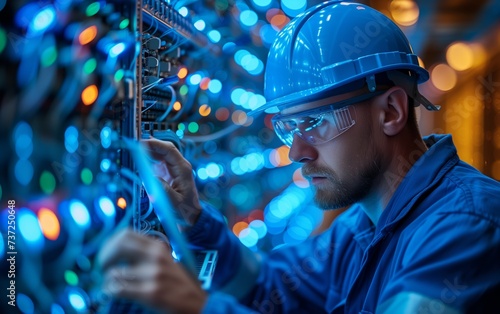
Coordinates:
393 110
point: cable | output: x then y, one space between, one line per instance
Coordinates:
170 105
146 101
150 86
161 203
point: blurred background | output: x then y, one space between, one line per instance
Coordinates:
79 77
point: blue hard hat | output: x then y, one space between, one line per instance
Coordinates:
330 49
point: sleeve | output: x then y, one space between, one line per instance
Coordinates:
222 303
288 280
451 265
237 266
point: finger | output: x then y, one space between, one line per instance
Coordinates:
139 282
126 246
172 193
163 151
119 279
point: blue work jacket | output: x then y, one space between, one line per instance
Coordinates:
435 249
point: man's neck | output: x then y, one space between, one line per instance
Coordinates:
400 157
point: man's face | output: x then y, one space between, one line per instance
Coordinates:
345 169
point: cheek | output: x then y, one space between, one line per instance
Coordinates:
339 157
350 150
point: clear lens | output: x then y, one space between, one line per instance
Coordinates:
316 129
320 125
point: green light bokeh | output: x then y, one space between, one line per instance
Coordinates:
71 278
193 127
93 8
47 182
49 56
90 66
87 176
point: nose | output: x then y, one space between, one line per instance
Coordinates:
301 151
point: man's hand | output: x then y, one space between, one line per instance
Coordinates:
176 175
141 268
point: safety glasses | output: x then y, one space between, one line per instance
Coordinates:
320 125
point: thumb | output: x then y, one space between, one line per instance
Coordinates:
173 197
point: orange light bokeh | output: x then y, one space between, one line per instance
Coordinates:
239 226
87 35
183 72
204 83
89 95
49 223
177 106
122 203
205 110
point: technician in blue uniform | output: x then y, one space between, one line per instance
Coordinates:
422 234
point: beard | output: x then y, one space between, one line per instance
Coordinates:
340 192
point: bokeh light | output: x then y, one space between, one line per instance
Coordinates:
260 227
87 176
44 19
49 223
193 127
107 207
183 11
89 95
238 227
239 117
299 179
47 182
29 227
222 114
78 301
443 77
71 278
80 213
23 171
90 66
25 304
215 86
106 137
279 157
460 56
124 23
182 73
177 106
122 203
293 7
214 36
194 79
404 12
93 8
248 18
3 39
204 83
262 3
200 25
87 35
249 237
49 56
205 110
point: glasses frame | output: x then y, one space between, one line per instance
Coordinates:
337 106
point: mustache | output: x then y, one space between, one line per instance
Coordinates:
310 170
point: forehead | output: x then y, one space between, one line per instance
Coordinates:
319 103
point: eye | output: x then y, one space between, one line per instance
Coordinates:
314 122
289 125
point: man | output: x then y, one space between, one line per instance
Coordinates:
422 234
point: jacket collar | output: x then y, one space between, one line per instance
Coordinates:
425 173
